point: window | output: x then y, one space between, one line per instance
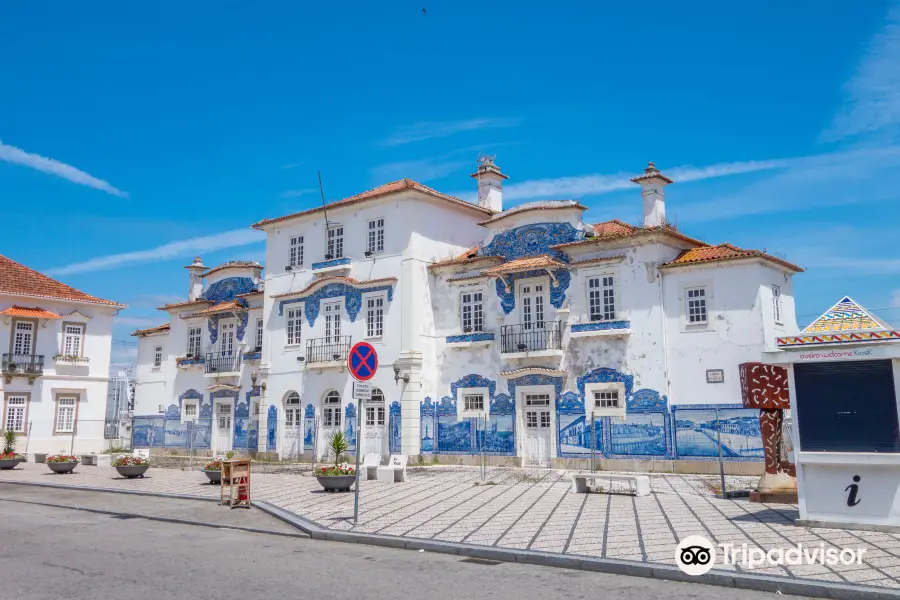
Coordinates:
293 326
335 242
472 312
190 410
696 306
473 402
15 413
606 399
259 334
332 322
24 338
374 416
375 316
296 257
537 400
157 357
73 338
776 303
601 298
533 307
292 415
376 236
224 416
194 336
65 414
332 410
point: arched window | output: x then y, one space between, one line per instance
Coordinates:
292 414
331 412
375 409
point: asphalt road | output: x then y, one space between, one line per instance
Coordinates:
53 546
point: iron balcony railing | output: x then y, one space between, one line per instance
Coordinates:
217 362
27 364
327 349
531 337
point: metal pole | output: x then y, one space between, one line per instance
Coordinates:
593 444
315 447
28 436
72 444
190 425
356 491
721 462
483 443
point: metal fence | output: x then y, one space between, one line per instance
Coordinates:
531 337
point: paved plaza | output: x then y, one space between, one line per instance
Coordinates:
534 509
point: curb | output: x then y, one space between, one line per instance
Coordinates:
761 583
109 491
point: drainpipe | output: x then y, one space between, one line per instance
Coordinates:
664 320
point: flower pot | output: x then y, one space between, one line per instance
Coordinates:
40 458
62 467
132 471
9 463
214 476
336 483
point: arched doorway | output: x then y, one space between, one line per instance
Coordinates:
293 425
374 421
331 417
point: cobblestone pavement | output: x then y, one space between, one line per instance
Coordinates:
534 509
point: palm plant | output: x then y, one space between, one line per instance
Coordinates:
338 444
9 441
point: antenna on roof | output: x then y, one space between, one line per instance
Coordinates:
322 194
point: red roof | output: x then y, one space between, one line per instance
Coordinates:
724 252
18 280
525 264
33 313
382 190
148 331
612 228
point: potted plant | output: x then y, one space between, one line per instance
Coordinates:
62 463
213 471
8 457
340 476
130 467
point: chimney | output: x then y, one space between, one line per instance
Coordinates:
490 184
196 269
653 185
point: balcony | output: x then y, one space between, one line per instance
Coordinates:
529 340
328 351
189 360
70 359
618 328
218 363
24 365
471 339
332 265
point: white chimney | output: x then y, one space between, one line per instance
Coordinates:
653 185
490 184
196 270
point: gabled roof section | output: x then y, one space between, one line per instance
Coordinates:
613 227
530 206
618 230
30 313
197 302
382 190
846 316
234 264
525 264
469 256
18 280
151 330
722 252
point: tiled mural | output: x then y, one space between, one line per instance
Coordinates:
695 432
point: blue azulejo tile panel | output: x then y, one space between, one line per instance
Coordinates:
532 240
576 434
272 427
395 416
148 432
331 263
351 294
497 435
350 425
427 412
201 434
696 436
253 356
454 436
176 434
241 425
641 434
601 326
506 288
470 337
226 289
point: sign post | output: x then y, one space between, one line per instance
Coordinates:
362 363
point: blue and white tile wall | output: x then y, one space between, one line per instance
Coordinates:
696 438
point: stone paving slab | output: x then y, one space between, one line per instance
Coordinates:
534 509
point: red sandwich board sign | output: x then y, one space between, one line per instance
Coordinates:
362 361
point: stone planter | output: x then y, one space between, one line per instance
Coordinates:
60 468
132 471
9 463
336 483
214 476
40 458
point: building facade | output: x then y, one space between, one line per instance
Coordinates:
524 333
55 368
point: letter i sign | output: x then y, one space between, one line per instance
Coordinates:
362 361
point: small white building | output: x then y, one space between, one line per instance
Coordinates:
55 370
524 333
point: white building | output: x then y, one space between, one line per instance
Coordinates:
523 333
55 370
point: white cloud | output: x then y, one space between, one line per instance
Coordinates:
421 170
297 193
17 156
426 130
872 104
183 248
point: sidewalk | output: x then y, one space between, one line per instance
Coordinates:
522 509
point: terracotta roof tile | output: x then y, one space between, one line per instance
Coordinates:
150 330
525 264
382 190
724 252
542 370
469 256
335 279
18 280
33 313
232 264
612 228
221 307
182 304
616 229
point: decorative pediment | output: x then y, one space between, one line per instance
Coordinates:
532 240
446 407
77 315
570 403
226 289
846 316
474 381
503 404
427 408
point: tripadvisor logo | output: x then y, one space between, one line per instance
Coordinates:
696 555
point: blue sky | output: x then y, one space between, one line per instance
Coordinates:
133 137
